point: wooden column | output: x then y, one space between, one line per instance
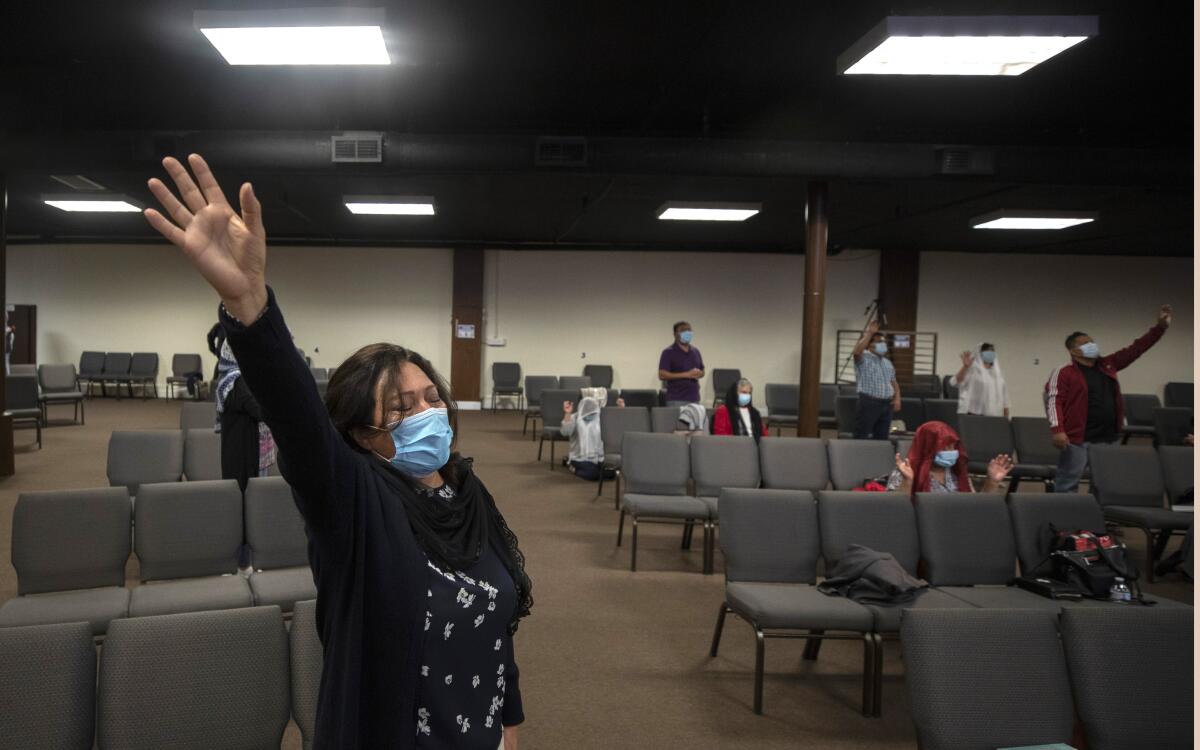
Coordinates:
816 245
7 463
466 353
899 279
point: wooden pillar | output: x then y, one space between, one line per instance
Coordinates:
466 342
816 245
899 279
7 463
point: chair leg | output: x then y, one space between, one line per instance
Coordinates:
868 686
877 707
712 652
710 533
812 647
552 442
540 444
687 535
1149 555
617 491
82 416
759 658
633 551
620 528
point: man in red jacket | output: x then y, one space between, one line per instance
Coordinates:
1083 399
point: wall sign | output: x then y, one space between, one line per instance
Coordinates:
464 331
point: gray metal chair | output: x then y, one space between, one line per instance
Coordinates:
794 463
59 384
845 409
534 385
981 707
987 437
663 418
197 415
69 548
278 544
234 665
600 375
615 421
308 661
942 410
722 379
912 412
1139 415
183 367
720 462
783 405
925 386
144 457
91 369
552 417
116 372
1036 514
23 404
1150 649
949 387
187 541
202 455
143 371
574 383
1173 424
47 686
640 397
506 381
656 469
1031 438
1178 395
771 544
1128 482
1177 463
827 412
852 462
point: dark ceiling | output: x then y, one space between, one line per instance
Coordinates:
105 89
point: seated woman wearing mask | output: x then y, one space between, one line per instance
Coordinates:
981 386
587 448
420 582
937 463
737 416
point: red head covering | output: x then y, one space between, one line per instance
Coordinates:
930 438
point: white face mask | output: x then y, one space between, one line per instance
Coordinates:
880 348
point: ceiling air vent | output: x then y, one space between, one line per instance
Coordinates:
561 152
77 182
962 160
357 148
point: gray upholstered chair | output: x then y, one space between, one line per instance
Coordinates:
23 404
851 462
506 381
1139 415
1038 456
534 385
912 412
1173 424
987 437
1178 394
116 372
992 702
1177 463
308 661
187 536
278 544
143 371
783 404
1035 515
640 397
234 665
722 378
925 386
771 543
47 686
552 417
663 419
656 469
942 410
720 462
59 384
949 387
827 412
202 455
791 463
183 367
845 409
600 375
144 457
615 421
91 369
69 548
197 415
574 383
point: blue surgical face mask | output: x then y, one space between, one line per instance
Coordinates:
686 337
946 459
1091 350
988 356
422 442
743 399
879 348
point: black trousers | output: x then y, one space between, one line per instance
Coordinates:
872 418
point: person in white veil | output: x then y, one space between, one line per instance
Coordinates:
587 449
981 386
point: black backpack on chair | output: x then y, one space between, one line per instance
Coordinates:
1092 561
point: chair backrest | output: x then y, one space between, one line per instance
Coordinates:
91 364
144 364
308 661
197 415
1031 437
117 363
724 461
274 526
794 463
1034 513
949 387
827 399
1172 424
615 421
912 412
574 383
601 375
202 455
57 378
852 461
70 539
640 397
1150 652
966 538
186 364
883 521
926 385
136 458
984 437
942 410
769 535
506 374
535 384
22 392
722 378
230 668
655 464
1126 475
552 404
844 410
1177 463
188 529
663 418
962 668
1139 408
319 373
783 399
1178 394
48 686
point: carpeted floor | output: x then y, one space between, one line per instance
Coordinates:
609 658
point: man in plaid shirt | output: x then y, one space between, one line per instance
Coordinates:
878 391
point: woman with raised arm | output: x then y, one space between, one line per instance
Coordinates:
420 582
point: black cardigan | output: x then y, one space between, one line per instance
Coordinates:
369 570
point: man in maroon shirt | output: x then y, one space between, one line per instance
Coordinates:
681 367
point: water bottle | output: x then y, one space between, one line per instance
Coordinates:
1119 591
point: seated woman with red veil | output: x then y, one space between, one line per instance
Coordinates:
937 462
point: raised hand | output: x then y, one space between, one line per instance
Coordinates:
905 467
229 251
568 407
873 326
1164 315
999 467
967 359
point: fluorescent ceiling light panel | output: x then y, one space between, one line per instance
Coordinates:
100 203
963 45
707 211
1010 219
390 205
308 36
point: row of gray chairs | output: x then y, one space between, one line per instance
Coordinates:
119 369
535 385
968 676
137 457
70 549
970 545
219 679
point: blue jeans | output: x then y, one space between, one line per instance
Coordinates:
1072 460
872 418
